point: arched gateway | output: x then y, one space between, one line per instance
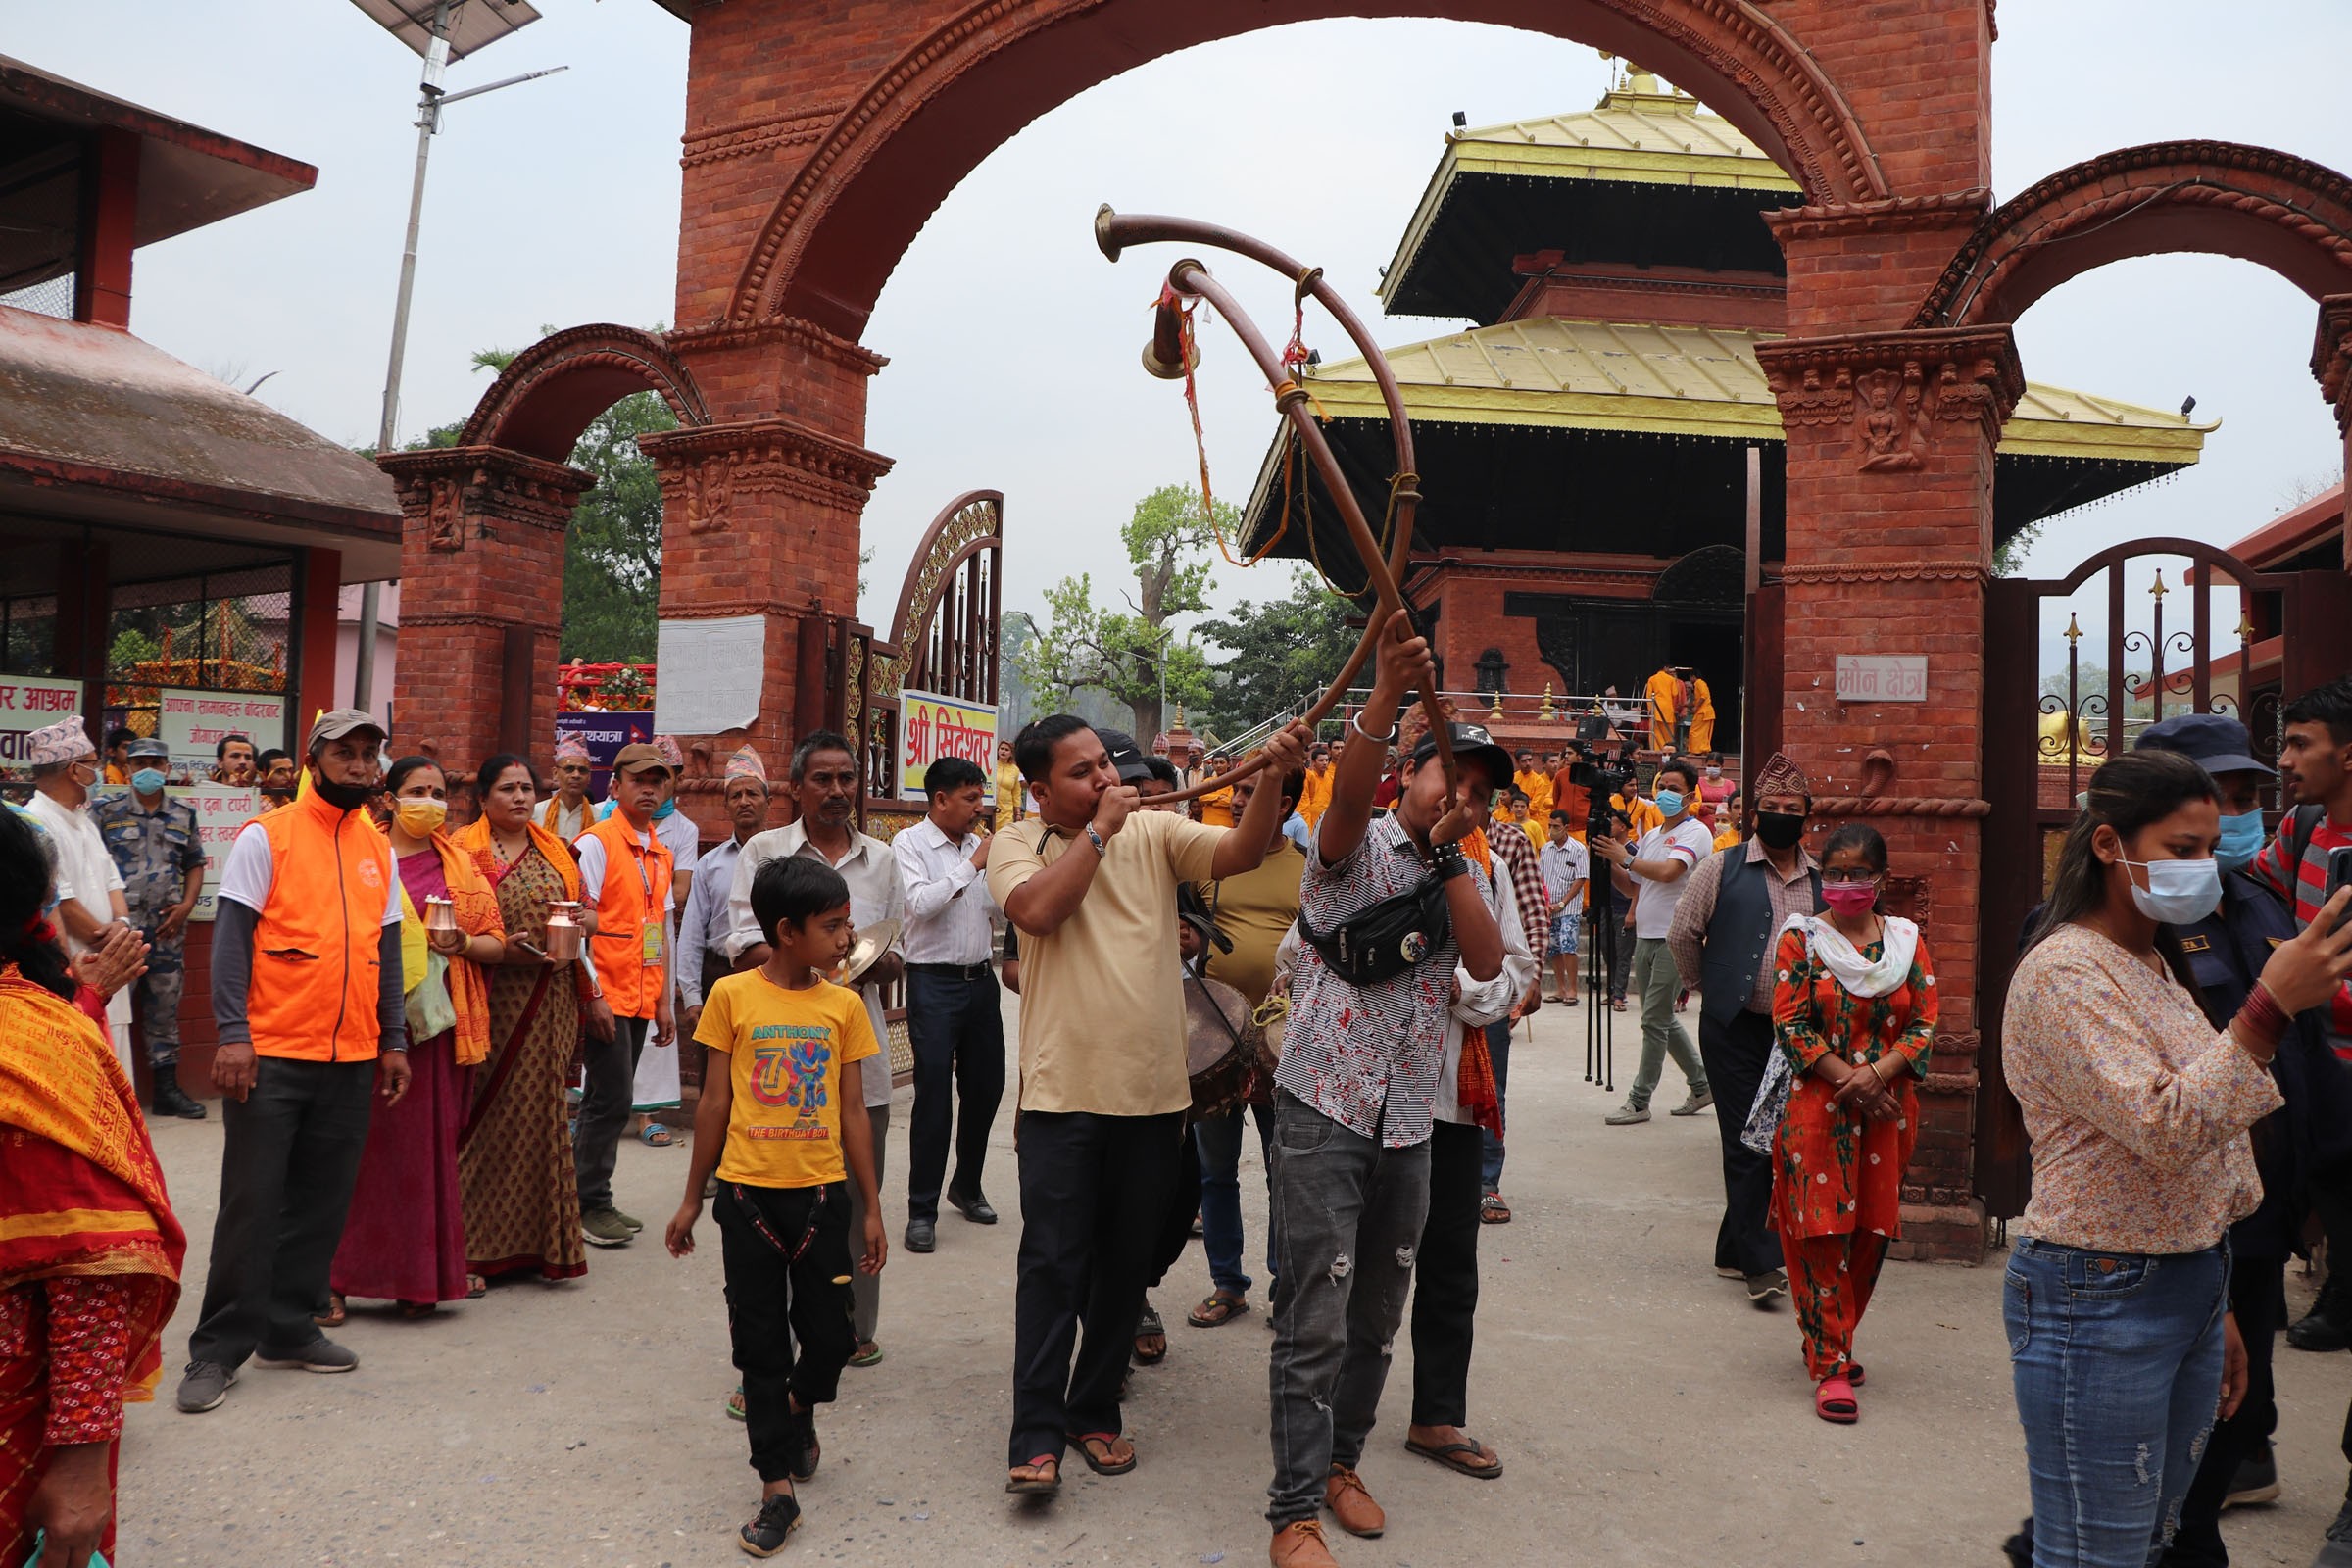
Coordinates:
820 135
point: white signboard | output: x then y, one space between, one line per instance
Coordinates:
1882 677
932 726
29 703
221 813
709 673
192 723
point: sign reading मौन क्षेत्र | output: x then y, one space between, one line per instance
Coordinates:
1882 677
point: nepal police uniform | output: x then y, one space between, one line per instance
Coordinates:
155 851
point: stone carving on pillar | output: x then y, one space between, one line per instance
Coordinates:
707 486
445 489
1898 389
444 515
2331 357
705 468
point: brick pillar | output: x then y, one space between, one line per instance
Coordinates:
481 552
2331 363
1891 439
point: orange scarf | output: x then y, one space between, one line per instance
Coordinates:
86 1195
474 839
1474 1089
476 908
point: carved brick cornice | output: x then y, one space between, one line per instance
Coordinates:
719 463
1858 572
2331 355
1893 215
598 346
445 489
1896 390
1901 806
780 331
745 138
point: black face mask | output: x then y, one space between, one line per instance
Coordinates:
342 797
1778 829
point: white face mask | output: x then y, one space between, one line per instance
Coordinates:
2178 892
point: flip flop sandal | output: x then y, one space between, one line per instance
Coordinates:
1104 1466
335 1314
1146 1327
413 1310
1217 1311
1036 1486
735 1411
477 1287
1493 1210
656 1135
1452 1457
1834 1401
871 1355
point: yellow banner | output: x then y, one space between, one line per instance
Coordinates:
931 726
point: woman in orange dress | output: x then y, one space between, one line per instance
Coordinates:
89 1250
1853 1004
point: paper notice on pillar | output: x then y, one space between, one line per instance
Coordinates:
707 674
29 703
193 723
221 813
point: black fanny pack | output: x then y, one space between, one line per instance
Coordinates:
1382 941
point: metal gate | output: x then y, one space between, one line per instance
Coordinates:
2046 731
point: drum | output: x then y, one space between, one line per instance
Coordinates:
1222 1046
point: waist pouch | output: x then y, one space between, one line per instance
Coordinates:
1383 940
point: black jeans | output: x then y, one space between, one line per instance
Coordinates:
2258 1301
1094 1194
604 1108
760 1228
956 1027
289 1157
1734 1052
1445 1278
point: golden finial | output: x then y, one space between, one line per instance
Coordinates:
1495 712
2074 629
1548 712
2245 624
2158 590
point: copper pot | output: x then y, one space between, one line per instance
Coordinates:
440 915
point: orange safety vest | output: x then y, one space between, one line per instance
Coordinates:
636 879
318 957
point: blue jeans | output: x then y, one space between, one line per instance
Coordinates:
1498 1050
1219 1139
2117 1363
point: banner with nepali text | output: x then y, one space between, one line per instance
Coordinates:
192 723
932 726
29 703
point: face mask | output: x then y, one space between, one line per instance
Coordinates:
1849 898
2241 840
148 780
1714 772
1778 829
1669 803
342 797
663 811
2178 892
420 819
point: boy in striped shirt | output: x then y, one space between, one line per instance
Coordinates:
2315 771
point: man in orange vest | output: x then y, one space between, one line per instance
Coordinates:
307 999
625 873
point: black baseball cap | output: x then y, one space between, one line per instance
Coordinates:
2216 742
1470 741
1125 756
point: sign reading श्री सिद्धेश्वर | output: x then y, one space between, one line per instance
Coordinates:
931 726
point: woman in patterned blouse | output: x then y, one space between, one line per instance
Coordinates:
2138 1111
1853 1004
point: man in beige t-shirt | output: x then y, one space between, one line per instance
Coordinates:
1091 884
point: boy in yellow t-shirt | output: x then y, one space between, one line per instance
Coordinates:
770 1124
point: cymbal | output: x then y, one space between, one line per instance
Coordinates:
872 942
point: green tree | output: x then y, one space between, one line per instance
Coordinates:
1278 652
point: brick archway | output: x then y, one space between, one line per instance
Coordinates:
542 401
886 160
2271 207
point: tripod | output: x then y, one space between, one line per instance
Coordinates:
1600 964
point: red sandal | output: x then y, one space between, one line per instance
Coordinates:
1833 1401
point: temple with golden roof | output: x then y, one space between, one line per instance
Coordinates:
1583 444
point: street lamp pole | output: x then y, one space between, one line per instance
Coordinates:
430 99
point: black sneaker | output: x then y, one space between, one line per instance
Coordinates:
1762 1288
2256 1481
321 1355
801 1430
169 1099
779 1517
2336 1550
204 1385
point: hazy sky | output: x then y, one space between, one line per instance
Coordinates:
1012 343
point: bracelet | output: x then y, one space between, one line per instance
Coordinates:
2262 1015
1357 724
1102 849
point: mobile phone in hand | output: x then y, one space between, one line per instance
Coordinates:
2339 874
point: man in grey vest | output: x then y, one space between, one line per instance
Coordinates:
1723 936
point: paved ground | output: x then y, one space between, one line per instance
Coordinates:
1647 1414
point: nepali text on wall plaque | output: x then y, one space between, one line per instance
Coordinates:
1882 677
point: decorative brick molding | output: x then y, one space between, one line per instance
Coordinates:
1901 806
1747 53
746 138
609 353
2331 357
1893 215
781 331
1845 572
1897 389
2299 214
452 496
717 463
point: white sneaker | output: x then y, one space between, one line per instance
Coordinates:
1694 1105
1626 1117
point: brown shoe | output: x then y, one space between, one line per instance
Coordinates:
1351 1505
1300 1545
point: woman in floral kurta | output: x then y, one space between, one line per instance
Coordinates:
1838 1171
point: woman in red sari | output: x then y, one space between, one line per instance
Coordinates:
515 1166
89 1250
405 1238
1853 1004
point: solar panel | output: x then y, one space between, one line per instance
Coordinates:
472 24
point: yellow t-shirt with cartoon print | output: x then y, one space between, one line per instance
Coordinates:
786 1050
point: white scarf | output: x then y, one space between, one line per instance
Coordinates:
1860 976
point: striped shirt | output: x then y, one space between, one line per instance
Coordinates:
1367 1057
1511 847
2307 891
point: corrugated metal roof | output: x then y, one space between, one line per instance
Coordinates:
1690 381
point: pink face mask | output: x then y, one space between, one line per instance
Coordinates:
1851 898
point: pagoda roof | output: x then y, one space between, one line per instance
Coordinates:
1647 176
1619 400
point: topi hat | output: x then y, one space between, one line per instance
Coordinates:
572 748
1781 776
65 741
745 763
